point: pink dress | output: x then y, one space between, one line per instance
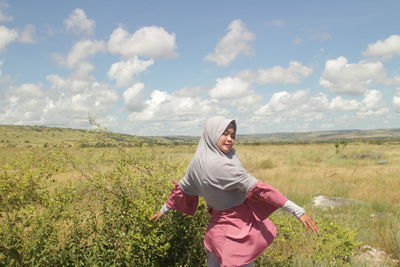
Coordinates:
239 234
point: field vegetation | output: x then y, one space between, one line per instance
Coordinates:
86 199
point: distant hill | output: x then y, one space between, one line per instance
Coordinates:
28 136
296 137
349 135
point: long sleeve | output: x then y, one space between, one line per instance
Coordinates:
293 209
180 201
164 209
264 199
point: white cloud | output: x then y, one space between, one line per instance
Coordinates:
82 50
77 58
299 109
165 107
82 88
81 95
283 101
396 102
125 71
386 49
69 100
192 92
371 99
338 103
277 74
79 23
327 125
74 84
234 43
1 66
28 34
22 105
6 36
396 80
229 88
245 104
29 90
319 102
396 97
351 79
133 97
373 105
154 42
75 98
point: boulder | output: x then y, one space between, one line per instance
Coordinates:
383 162
327 202
370 256
372 155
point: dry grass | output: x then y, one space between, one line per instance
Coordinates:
303 171
317 169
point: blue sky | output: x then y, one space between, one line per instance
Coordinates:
164 67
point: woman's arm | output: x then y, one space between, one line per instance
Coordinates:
180 201
297 211
265 199
293 209
164 210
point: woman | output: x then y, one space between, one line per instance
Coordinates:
239 229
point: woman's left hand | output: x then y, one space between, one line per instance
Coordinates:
156 216
309 223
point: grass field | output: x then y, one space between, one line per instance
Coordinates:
367 173
304 171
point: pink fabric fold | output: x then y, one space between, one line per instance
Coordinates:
182 202
264 199
240 234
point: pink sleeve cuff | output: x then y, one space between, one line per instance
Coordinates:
182 202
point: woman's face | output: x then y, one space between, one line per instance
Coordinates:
227 140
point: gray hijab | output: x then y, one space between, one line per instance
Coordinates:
220 178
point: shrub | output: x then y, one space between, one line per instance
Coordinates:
102 219
334 246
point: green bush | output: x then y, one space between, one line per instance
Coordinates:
334 245
102 218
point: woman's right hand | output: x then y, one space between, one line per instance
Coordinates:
309 223
156 216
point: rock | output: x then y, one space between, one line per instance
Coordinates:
326 202
374 257
372 155
383 162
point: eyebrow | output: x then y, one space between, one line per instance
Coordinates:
234 133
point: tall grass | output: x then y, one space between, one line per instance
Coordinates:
299 171
304 171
